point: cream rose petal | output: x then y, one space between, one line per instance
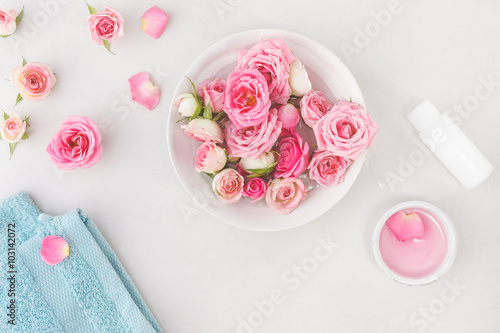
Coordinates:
144 91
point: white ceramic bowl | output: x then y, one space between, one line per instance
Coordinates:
327 73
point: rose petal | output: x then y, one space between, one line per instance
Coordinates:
54 250
154 21
406 226
144 91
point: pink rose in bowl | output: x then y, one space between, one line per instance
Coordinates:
228 185
7 22
272 58
202 129
107 25
284 195
313 106
12 129
77 144
289 115
346 130
252 141
246 99
328 169
34 81
293 156
255 189
210 158
213 92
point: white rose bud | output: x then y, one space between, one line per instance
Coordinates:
203 129
299 80
260 166
186 104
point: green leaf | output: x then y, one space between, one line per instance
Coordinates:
20 16
5 115
27 121
219 116
194 90
12 147
24 61
183 118
18 99
207 113
4 36
211 175
350 99
106 45
196 112
92 10
25 136
261 172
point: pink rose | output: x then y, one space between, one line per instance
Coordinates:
328 169
346 130
202 129
313 106
7 22
289 115
12 129
76 144
213 92
210 158
228 185
246 98
255 140
272 58
34 80
284 195
293 156
106 25
255 189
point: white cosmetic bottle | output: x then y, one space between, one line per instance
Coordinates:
450 145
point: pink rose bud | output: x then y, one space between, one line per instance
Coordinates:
154 21
284 195
202 129
54 249
228 186
144 91
406 226
7 22
313 107
210 158
34 81
107 25
260 166
299 79
255 189
328 169
346 130
293 156
186 104
246 98
255 140
77 144
272 58
289 115
12 129
212 92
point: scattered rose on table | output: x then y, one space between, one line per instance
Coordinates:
77 144
144 91
13 130
33 80
9 21
154 21
105 26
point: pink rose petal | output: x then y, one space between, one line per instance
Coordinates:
154 21
144 91
54 250
406 226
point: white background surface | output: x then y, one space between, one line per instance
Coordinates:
198 274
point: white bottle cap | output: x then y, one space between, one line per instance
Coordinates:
424 115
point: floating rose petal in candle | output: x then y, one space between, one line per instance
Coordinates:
54 250
406 226
144 91
154 21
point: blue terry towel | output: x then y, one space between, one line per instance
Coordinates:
89 291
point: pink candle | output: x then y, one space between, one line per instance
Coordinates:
419 260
